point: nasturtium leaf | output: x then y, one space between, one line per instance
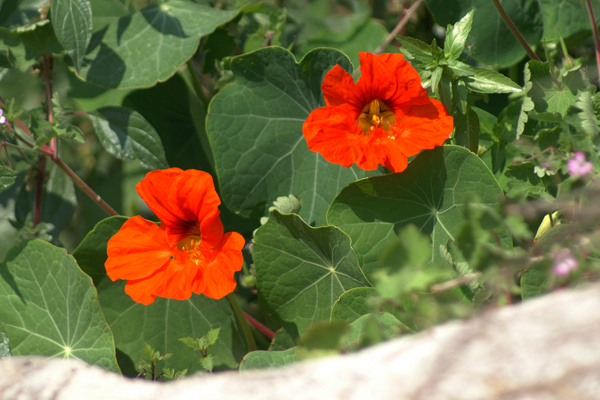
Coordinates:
49 307
125 134
429 193
491 41
91 252
7 177
72 23
268 359
282 341
148 46
373 328
255 130
566 17
363 35
179 119
161 323
301 271
4 343
352 304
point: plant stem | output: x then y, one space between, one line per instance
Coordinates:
266 331
48 63
197 84
515 31
243 322
83 186
39 189
595 31
405 18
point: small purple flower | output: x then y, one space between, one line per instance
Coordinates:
564 262
2 118
578 166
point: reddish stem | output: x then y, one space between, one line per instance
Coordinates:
266 331
595 31
40 177
48 64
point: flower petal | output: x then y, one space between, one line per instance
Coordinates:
138 250
423 127
192 198
154 190
218 275
330 132
339 88
172 282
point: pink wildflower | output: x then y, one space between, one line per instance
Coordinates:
578 166
2 118
564 262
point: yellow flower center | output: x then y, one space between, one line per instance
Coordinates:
192 246
374 115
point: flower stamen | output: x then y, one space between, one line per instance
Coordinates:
376 114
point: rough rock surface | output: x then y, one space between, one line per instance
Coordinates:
546 348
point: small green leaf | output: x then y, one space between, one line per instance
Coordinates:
589 122
49 307
414 48
456 36
7 177
212 336
548 94
72 23
268 359
207 363
127 135
282 341
487 81
301 271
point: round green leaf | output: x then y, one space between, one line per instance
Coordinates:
161 323
49 307
268 359
301 271
255 130
429 194
140 49
352 304
125 134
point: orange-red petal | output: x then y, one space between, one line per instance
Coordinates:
138 250
174 281
338 87
154 190
218 274
424 127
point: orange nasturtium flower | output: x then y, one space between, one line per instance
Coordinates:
382 119
188 253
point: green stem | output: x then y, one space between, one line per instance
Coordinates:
197 84
245 327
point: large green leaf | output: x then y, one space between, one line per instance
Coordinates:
72 23
566 17
140 49
125 134
49 307
268 359
255 129
161 323
491 41
301 271
429 194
